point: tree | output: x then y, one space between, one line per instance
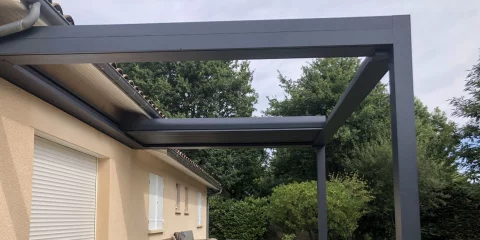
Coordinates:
316 92
457 219
293 207
214 89
469 107
197 89
436 139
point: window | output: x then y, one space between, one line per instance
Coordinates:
177 204
186 199
64 184
199 208
155 207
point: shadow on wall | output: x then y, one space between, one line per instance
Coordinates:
16 166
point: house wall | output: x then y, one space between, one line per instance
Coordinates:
123 173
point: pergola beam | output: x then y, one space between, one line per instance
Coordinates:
366 78
230 40
226 132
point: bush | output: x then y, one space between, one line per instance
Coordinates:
293 207
288 237
234 219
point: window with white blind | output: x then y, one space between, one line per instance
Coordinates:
186 199
199 208
63 193
155 207
177 203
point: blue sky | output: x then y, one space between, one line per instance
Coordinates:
445 36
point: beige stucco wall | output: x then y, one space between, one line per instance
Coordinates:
123 173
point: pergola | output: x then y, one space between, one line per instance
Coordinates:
385 42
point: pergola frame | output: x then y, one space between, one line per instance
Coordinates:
384 41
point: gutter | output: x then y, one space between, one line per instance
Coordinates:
22 24
54 17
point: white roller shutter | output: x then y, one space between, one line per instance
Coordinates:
159 202
199 208
63 193
152 203
155 206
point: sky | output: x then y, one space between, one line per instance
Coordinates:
445 34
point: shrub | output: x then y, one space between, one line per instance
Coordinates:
288 237
238 219
293 207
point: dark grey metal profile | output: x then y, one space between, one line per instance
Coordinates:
226 132
322 194
261 39
404 149
250 123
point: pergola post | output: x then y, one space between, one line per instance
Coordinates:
405 179
321 194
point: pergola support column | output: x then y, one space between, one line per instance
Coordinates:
322 194
404 152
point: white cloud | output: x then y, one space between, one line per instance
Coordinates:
445 34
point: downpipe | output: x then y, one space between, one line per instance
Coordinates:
25 23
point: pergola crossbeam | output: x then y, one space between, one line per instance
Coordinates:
226 132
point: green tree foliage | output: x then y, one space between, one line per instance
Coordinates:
363 144
316 92
238 219
458 218
197 89
293 207
240 171
214 89
373 162
469 107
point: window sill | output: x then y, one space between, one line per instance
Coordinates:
199 226
186 213
155 231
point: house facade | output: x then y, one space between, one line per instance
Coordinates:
61 177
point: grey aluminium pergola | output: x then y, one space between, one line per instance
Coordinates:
384 41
